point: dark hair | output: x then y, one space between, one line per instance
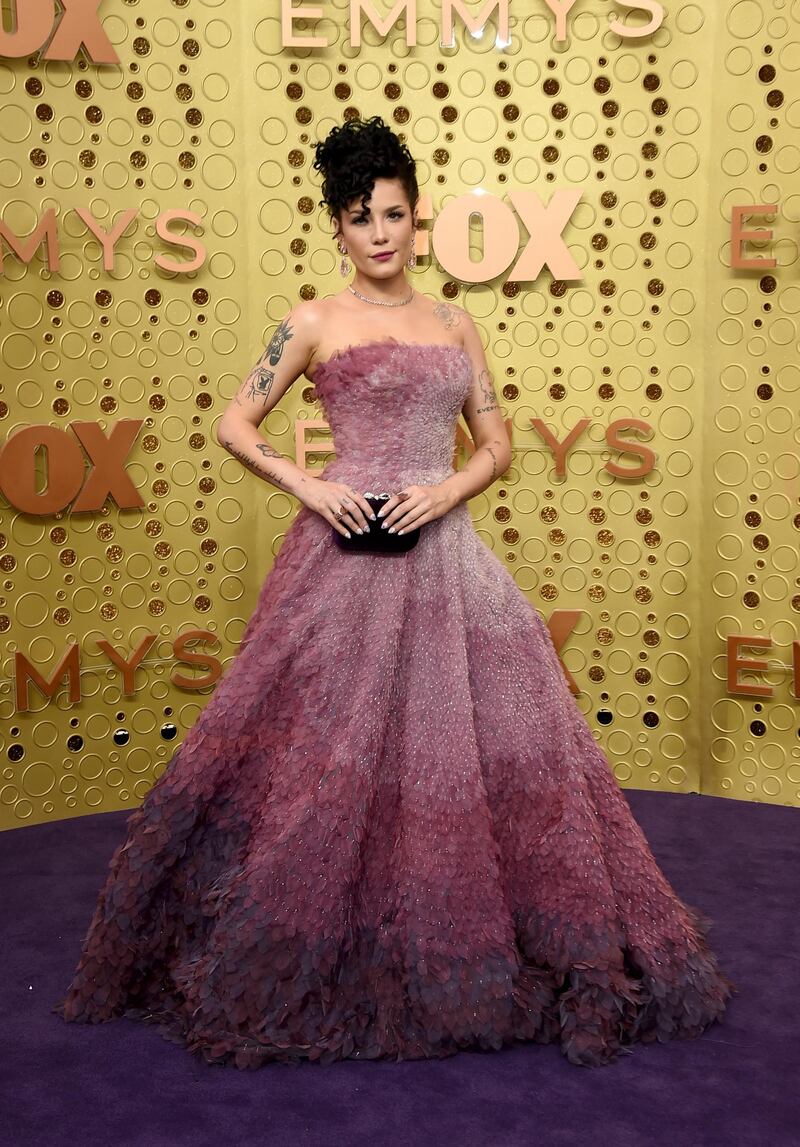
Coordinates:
357 153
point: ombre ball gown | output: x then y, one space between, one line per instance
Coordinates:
390 833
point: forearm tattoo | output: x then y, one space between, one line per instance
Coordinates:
268 450
469 462
259 382
254 465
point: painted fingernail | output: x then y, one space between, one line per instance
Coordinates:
366 528
373 517
383 525
391 529
399 531
381 513
358 531
347 533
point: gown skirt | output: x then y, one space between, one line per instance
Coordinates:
390 833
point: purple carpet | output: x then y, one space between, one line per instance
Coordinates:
121 1083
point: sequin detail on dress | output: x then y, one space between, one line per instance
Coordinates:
390 832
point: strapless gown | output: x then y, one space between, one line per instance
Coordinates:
390 833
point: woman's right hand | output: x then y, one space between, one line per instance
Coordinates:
328 498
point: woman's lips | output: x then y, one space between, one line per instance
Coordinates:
384 255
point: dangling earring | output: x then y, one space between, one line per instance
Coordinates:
412 259
344 266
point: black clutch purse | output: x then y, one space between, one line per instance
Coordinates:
376 539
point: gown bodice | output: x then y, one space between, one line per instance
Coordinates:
393 409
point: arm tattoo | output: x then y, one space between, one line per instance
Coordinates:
268 450
277 342
259 382
487 390
449 316
254 466
485 446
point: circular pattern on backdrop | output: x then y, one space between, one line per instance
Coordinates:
663 143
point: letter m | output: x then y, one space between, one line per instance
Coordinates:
25 672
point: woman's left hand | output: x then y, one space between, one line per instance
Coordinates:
414 506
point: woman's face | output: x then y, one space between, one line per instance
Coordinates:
387 226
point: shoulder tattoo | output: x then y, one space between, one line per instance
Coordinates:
450 316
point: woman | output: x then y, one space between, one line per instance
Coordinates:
390 833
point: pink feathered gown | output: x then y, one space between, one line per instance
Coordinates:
390 832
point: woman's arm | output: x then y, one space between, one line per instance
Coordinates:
285 358
482 414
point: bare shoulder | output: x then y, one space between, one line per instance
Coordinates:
296 337
457 323
325 321
324 315
304 321
451 319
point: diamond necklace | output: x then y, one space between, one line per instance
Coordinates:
381 302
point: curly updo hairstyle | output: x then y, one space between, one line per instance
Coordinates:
353 156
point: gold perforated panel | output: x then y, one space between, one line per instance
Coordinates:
208 113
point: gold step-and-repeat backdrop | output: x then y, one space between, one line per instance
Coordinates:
160 215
